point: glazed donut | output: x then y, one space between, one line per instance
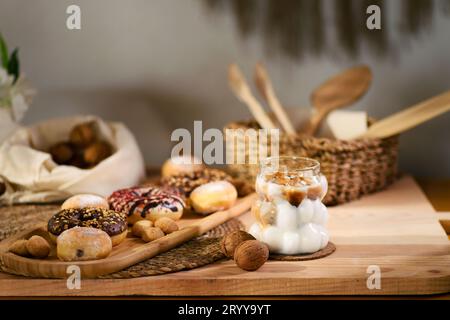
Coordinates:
112 222
85 201
150 203
81 243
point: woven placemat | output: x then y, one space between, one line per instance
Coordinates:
329 249
195 253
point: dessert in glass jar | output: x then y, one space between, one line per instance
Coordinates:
290 215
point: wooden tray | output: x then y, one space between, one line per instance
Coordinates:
396 230
131 251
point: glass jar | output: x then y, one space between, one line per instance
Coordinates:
290 216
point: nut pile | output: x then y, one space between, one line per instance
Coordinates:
84 148
149 231
248 254
36 247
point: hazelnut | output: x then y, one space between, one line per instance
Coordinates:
150 234
82 135
140 226
61 152
38 247
232 240
250 255
97 152
167 225
19 247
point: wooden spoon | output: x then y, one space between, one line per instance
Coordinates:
265 87
242 91
341 90
410 117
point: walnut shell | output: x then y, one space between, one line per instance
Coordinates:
250 255
232 240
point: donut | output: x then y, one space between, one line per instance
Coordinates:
150 203
112 222
84 201
83 243
180 165
185 183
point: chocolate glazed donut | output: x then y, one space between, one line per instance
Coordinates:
112 222
150 203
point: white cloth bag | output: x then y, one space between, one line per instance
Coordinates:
31 176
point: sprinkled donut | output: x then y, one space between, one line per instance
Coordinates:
112 222
149 203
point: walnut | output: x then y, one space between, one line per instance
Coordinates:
62 152
140 226
19 247
38 247
151 234
250 255
232 240
97 152
167 225
82 135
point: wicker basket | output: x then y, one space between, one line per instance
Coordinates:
353 168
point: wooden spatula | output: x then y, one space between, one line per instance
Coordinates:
242 91
341 90
410 117
265 87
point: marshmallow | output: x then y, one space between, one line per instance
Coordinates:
273 237
286 215
255 230
320 213
305 211
311 238
290 243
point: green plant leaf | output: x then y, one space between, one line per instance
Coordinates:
13 65
3 52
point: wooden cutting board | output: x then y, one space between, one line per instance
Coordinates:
131 251
396 230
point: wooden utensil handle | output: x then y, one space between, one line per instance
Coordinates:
258 112
314 122
410 117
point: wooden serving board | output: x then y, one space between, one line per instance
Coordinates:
131 251
396 230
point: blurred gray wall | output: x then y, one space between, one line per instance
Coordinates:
157 65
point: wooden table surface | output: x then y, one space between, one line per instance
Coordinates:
435 191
